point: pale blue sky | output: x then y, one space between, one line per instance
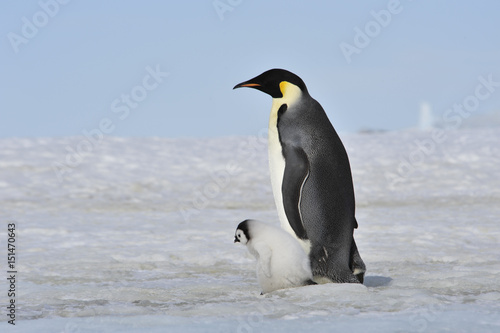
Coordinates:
86 56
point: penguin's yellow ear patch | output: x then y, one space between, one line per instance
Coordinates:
283 87
291 93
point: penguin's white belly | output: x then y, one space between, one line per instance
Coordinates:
277 171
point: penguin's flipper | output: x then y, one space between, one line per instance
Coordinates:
295 175
264 263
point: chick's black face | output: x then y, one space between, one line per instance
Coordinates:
242 235
239 237
269 82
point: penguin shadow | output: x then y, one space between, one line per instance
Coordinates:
377 281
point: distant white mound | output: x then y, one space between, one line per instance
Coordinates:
426 117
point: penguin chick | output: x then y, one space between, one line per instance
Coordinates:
281 261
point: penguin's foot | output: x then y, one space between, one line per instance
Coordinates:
339 276
309 283
360 276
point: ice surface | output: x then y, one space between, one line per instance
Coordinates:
137 235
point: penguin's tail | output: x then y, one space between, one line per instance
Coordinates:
356 264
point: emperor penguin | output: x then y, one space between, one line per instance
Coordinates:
281 261
311 178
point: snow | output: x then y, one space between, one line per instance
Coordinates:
136 234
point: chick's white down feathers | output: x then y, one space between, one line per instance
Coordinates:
281 261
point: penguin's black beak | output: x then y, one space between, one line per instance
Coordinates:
257 83
236 240
247 84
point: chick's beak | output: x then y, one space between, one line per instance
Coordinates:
236 240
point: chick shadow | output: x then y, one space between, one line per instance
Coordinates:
377 281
